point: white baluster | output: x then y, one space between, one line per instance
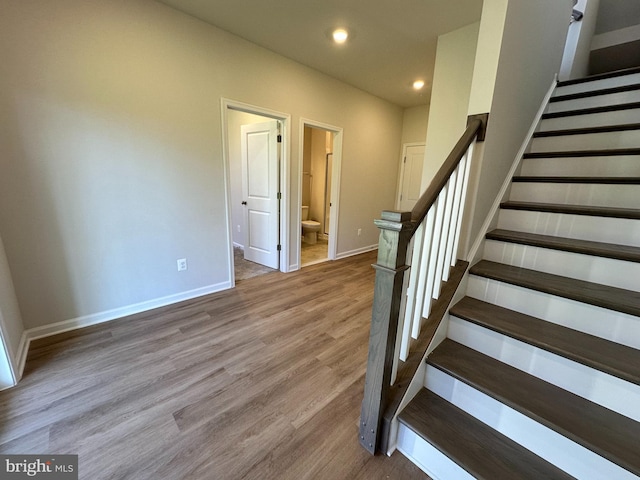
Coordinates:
433 255
416 321
456 218
465 188
444 235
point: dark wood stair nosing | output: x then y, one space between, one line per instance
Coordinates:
600 76
585 180
604 296
612 358
588 424
478 449
568 209
613 152
595 93
591 110
614 251
625 127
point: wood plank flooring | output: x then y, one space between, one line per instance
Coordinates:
264 381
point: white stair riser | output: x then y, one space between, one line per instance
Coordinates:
428 458
603 195
593 141
595 101
599 84
544 442
620 231
606 166
598 387
608 324
617 117
605 271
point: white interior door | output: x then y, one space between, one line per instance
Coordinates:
411 176
260 187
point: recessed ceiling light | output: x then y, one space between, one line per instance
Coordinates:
340 35
418 84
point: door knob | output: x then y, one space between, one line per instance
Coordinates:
244 203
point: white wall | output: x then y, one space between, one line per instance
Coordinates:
452 76
112 151
235 119
575 61
531 50
414 124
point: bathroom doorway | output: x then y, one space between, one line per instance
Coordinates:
319 193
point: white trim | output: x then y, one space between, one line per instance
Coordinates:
335 184
21 354
108 315
475 248
285 174
357 251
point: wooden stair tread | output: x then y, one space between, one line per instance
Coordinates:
586 180
595 93
591 210
612 298
611 152
476 447
588 130
600 76
609 434
592 110
574 245
595 352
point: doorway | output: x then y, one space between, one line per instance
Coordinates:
410 177
321 147
256 162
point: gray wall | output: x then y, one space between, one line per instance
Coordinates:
530 55
112 164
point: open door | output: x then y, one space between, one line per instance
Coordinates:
260 190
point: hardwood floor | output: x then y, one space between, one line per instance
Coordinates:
260 382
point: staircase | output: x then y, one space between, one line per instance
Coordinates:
539 376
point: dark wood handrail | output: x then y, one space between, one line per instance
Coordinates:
475 128
396 230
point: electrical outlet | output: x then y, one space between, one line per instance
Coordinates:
238 228
359 231
182 264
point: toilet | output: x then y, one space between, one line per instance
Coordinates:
310 228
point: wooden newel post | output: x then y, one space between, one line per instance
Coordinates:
395 234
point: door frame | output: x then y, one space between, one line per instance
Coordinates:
335 185
401 168
285 175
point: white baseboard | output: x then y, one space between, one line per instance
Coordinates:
108 315
357 251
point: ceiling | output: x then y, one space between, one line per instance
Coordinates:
391 44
